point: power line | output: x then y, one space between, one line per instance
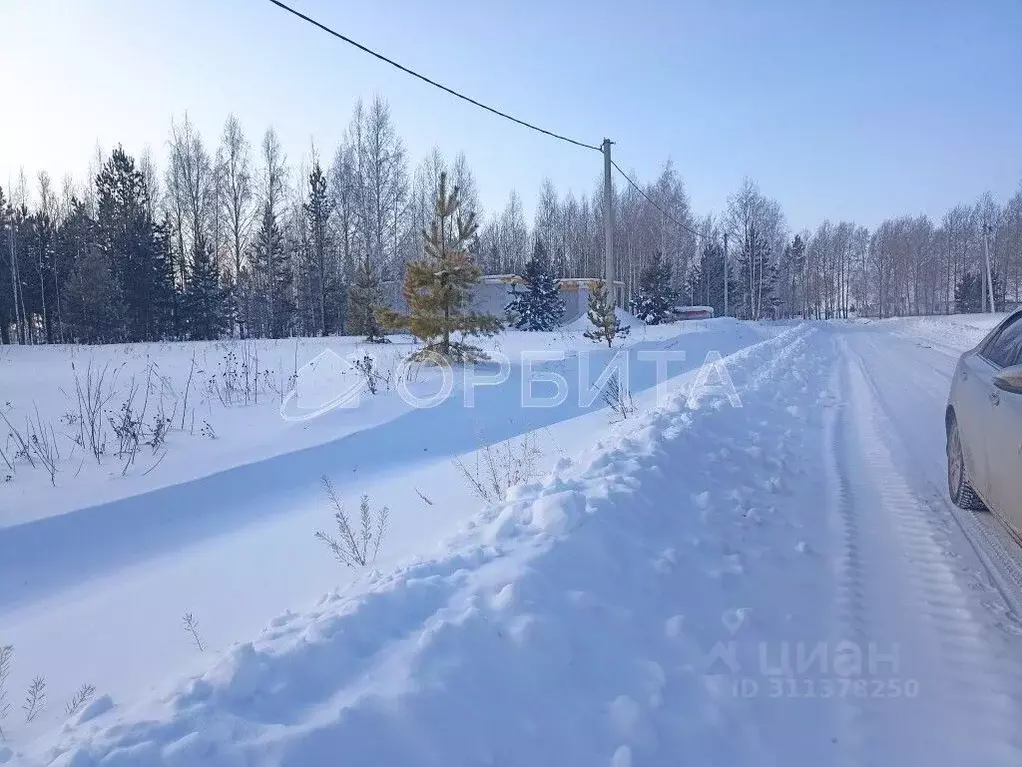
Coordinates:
651 202
425 79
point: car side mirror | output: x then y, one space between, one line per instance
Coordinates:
1010 379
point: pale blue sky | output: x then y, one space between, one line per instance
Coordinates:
855 110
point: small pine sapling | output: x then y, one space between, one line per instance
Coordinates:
602 317
438 288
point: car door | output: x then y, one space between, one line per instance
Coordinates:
972 388
1004 429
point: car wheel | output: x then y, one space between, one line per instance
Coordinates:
961 492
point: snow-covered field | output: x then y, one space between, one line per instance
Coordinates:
772 578
222 405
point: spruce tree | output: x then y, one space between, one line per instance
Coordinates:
166 298
39 249
136 248
206 306
269 281
317 209
693 281
971 293
706 280
539 306
438 287
365 297
602 316
89 290
656 299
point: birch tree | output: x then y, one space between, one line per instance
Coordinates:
235 202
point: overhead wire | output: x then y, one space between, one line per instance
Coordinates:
425 79
344 38
650 200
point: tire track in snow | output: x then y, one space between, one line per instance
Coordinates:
904 590
998 553
848 572
998 550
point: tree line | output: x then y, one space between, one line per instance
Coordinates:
907 265
239 241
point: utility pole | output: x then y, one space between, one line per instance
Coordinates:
725 274
986 258
608 221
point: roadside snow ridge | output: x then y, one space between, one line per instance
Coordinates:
569 626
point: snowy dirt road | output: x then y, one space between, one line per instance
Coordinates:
939 585
780 583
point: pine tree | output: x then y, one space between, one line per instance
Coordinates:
602 316
656 299
438 287
539 306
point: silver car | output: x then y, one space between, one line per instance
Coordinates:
984 425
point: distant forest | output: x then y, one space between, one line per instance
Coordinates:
234 240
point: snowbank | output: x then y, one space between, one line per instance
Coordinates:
234 545
956 332
572 625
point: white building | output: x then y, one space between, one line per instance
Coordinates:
493 293
575 292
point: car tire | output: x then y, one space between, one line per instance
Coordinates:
959 488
